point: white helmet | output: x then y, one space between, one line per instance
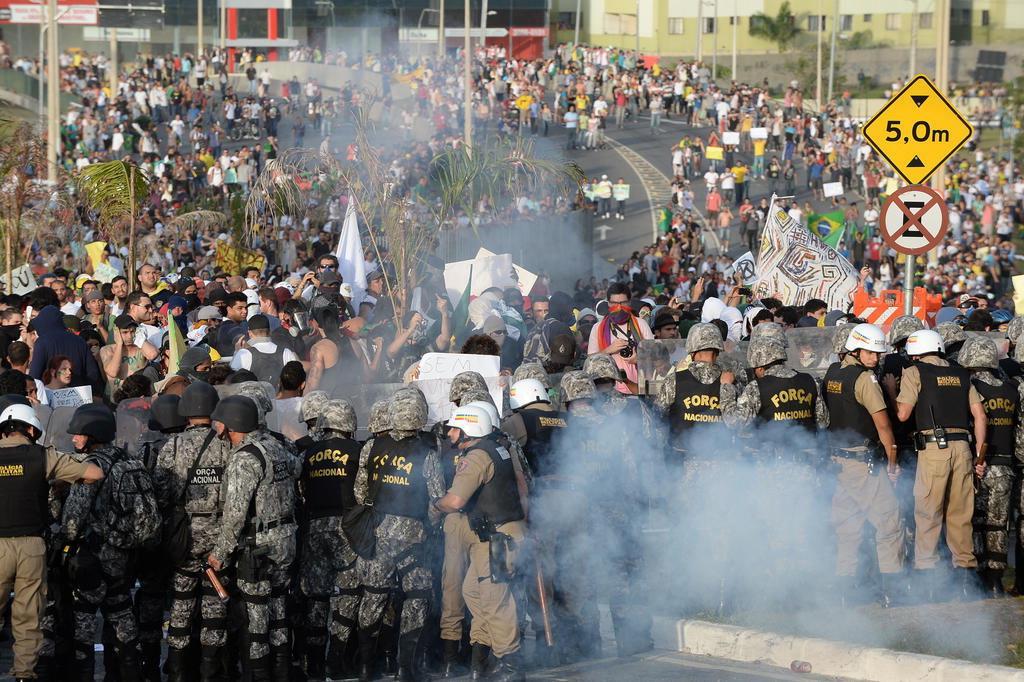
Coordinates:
526 392
868 337
925 341
489 408
23 414
472 420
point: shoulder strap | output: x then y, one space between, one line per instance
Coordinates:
195 462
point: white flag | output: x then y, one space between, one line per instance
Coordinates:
351 265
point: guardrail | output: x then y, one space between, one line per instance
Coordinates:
21 89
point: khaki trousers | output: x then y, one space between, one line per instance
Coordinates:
457 538
944 492
23 567
862 496
495 620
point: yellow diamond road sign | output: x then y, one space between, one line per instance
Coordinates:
917 130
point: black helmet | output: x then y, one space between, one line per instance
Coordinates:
199 400
93 420
238 413
163 414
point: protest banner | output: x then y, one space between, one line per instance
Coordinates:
69 397
22 279
233 259
436 371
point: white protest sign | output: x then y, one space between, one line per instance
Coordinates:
758 133
833 189
456 275
24 282
731 137
523 278
104 272
70 397
746 266
435 380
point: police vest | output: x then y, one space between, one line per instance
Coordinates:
329 475
498 499
695 403
943 399
23 491
1011 367
541 426
273 504
267 366
396 470
788 400
449 456
850 425
1001 404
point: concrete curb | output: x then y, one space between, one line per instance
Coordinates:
826 657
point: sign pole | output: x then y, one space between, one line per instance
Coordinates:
908 285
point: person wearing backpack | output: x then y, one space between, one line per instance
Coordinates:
257 535
25 471
189 471
104 525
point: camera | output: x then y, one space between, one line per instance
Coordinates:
628 350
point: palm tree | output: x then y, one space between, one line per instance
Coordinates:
22 154
116 191
780 29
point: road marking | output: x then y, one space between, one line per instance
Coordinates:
603 229
650 177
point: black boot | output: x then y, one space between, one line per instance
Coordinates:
85 668
259 670
408 669
149 662
481 664
211 665
967 586
281 662
367 650
128 664
509 669
992 582
315 662
339 664
46 669
452 665
176 665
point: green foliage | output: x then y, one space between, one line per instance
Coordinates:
780 29
115 190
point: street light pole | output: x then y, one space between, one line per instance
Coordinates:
199 29
53 95
832 51
483 24
735 24
714 53
913 40
817 82
576 31
467 74
440 31
700 30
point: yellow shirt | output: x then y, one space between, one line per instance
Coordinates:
740 173
759 147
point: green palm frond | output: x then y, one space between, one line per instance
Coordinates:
115 190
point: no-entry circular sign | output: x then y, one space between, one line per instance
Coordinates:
914 219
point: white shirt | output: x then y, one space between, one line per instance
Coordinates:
242 359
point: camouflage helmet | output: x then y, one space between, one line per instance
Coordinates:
704 336
531 370
1015 328
951 332
339 415
255 390
1018 352
475 393
379 420
840 337
312 405
407 409
464 381
902 327
765 350
979 352
770 329
577 385
601 367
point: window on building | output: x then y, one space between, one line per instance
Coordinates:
985 17
892 22
675 26
846 22
628 24
567 21
755 22
735 20
709 24
867 18
924 19
812 23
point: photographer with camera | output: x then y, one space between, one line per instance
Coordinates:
618 334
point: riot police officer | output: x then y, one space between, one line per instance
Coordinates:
534 422
953 337
943 402
861 445
401 476
25 470
190 473
1004 401
257 534
485 486
327 568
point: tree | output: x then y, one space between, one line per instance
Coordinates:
780 29
22 195
117 191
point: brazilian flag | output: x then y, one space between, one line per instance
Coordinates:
828 227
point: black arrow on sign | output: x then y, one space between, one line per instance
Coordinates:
916 162
919 99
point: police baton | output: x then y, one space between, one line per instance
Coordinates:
549 638
218 587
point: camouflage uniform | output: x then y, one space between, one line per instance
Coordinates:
992 496
400 539
953 337
107 589
262 544
327 564
196 481
310 409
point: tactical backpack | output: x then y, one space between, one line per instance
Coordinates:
132 515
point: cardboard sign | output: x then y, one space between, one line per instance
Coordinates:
24 282
713 153
447 365
758 133
70 397
731 137
833 189
234 259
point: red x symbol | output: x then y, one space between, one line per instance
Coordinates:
914 218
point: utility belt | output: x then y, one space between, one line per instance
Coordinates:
256 527
941 437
